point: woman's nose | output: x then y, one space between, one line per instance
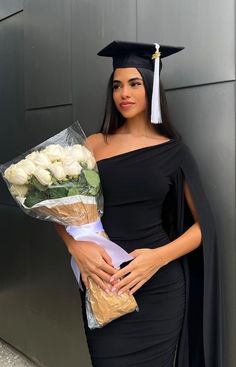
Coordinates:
125 91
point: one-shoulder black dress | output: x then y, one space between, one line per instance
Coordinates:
134 187
181 307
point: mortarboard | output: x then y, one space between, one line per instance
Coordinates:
141 55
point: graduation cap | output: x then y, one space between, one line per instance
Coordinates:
141 55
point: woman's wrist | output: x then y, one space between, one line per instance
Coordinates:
182 245
161 255
69 241
71 246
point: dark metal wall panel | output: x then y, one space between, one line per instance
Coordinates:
95 24
43 123
11 87
53 302
211 134
10 7
38 126
206 29
13 275
206 118
12 136
39 296
47 53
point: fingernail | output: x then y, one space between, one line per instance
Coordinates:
119 293
108 291
113 289
111 280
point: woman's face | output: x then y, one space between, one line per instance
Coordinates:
129 92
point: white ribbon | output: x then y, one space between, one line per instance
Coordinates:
156 104
89 232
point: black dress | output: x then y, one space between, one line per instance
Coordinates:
136 185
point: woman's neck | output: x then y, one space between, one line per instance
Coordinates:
137 126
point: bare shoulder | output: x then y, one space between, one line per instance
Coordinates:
94 140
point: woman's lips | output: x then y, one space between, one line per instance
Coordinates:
126 104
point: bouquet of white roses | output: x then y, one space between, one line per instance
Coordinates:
58 180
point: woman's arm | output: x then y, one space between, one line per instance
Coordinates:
189 240
91 259
148 261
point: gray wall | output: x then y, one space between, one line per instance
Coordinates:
50 76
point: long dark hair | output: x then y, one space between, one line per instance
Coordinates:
113 119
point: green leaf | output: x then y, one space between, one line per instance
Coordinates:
83 164
57 192
35 183
92 177
34 197
73 191
94 191
54 180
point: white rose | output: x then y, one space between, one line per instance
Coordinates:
16 175
54 152
31 156
43 176
57 170
39 159
90 160
19 190
72 169
91 163
27 165
77 153
68 159
86 151
67 149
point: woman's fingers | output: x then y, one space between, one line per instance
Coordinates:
108 268
105 286
127 287
125 283
137 286
121 273
107 258
103 275
85 280
102 284
94 261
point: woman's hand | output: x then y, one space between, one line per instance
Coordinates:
93 261
145 264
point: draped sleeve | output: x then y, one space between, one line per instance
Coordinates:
200 342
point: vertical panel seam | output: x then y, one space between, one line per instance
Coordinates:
71 74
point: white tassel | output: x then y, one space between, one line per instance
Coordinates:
156 104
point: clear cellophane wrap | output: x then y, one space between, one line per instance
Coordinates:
58 181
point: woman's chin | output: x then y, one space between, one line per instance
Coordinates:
130 114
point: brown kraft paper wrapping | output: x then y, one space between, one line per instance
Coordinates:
107 307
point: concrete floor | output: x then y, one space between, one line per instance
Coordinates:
9 357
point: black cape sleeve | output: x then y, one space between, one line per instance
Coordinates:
200 343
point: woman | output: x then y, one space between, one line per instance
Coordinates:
153 207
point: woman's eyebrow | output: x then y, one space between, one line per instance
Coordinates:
130 80
136 78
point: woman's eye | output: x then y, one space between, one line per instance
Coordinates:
135 84
115 86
